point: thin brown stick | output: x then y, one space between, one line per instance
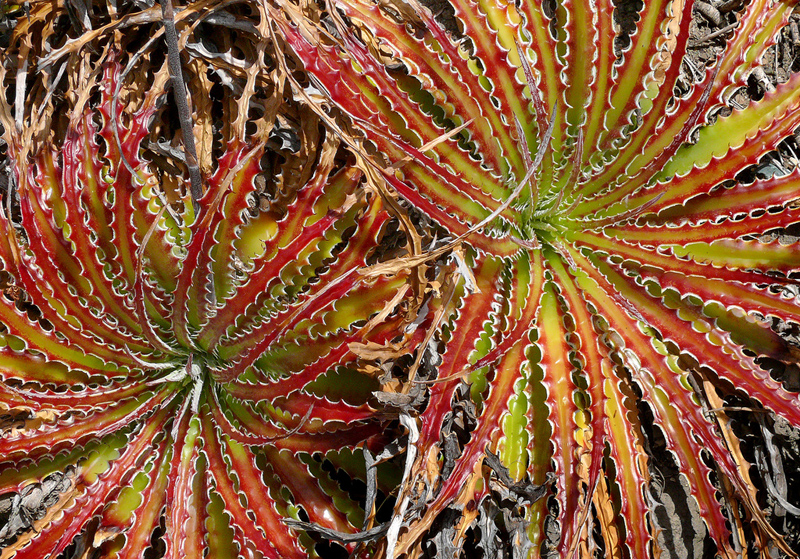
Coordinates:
181 100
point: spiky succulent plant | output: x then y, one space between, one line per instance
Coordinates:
181 371
176 376
616 265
